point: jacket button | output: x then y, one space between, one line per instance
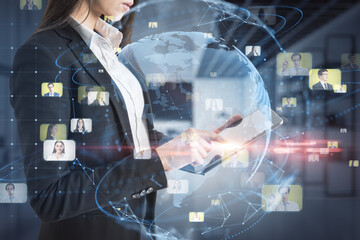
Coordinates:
143 193
136 195
150 190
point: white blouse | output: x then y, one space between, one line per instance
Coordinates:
103 45
53 157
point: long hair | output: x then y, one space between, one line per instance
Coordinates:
48 134
57 14
100 97
77 124
54 150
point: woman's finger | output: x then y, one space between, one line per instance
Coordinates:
211 136
206 145
234 119
196 157
196 146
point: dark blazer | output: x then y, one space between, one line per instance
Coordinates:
69 201
55 94
318 86
26 7
350 67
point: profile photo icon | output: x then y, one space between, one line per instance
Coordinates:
88 94
30 5
81 125
52 132
253 51
51 89
282 198
13 192
289 102
152 24
100 98
294 64
340 88
350 61
333 144
196 216
324 79
286 204
323 84
215 202
57 150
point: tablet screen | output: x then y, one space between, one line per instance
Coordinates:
249 130
250 127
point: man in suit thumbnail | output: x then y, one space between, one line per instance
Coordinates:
11 196
30 5
297 70
323 75
288 103
51 92
352 63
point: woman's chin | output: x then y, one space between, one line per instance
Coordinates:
118 17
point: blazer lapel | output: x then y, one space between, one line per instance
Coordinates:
98 73
134 68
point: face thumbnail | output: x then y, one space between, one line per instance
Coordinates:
324 76
51 88
59 147
10 190
296 60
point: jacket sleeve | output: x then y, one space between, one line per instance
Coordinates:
60 190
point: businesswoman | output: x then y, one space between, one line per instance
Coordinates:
58 153
51 132
124 151
80 126
100 99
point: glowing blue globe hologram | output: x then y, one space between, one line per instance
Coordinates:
224 81
189 44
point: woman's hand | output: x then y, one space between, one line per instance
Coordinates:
234 120
191 147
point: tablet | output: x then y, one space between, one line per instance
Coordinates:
239 135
